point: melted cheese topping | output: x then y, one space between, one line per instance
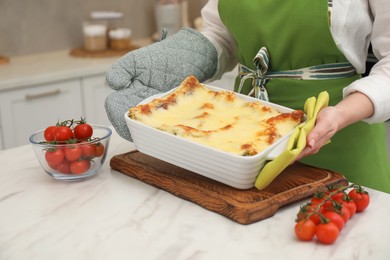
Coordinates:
217 119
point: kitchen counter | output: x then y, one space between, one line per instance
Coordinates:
112 216
47 67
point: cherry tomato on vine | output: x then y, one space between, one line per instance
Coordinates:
79 167
48 134
338 197
99 149
54 156
335 218
327 233
83 131
318 197
309 210
305 229
351 206
360 198
62 133
344 213
73 153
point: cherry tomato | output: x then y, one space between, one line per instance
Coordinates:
79 167
88 150
62 133
305 229
327 233
310 209
83 131
360 198
64 167
73 153
99 149
344 213
53 166
351 206
335 218
54 156
328 205
318 197
339 196
48 134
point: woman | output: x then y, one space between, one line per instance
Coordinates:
274 40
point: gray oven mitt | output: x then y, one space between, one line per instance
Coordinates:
157 68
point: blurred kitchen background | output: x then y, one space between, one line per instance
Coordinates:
35 26
40 75
52 68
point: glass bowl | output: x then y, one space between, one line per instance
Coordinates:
64 161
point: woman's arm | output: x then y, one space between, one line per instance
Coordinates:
367 99
216 32
376 86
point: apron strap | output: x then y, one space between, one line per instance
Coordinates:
261 75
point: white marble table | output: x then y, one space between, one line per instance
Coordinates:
113 216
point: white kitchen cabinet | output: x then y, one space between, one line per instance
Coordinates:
26 110
94 94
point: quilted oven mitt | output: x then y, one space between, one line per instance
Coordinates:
155 69
296 143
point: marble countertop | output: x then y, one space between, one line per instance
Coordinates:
113 216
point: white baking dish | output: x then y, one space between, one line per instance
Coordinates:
233 170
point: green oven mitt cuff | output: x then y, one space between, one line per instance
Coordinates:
295 144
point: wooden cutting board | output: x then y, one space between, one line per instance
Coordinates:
297 182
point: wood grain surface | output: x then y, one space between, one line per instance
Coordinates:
297 182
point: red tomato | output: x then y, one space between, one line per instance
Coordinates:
360 198
73 153
328 205
351 206
62 133
53 166
49 133
339 196
64 167
99 149
88 150
327 233
305 230
310 209
335 218
54 157
83 131
344 213
318 197
79 167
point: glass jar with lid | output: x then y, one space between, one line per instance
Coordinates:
169 15
95 36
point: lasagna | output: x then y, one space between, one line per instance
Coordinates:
218 119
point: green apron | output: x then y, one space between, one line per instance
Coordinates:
297 35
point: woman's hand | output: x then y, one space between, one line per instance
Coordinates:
326 126
331 119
